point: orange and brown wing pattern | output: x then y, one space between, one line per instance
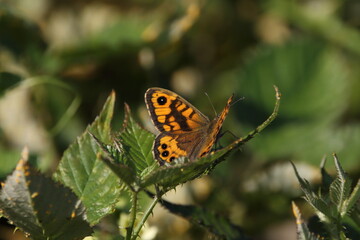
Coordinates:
168 147
214 130
171 113
184 130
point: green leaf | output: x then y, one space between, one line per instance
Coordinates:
136 143
114 160
355 214
340 188
311 67
315 201
315 88
354 199
218 225
7 81
303 232
82 170
337 210
40 207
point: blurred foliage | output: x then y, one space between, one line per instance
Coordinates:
337 206
309 49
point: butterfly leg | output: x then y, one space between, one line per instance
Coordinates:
220 135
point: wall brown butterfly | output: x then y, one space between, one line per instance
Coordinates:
184 130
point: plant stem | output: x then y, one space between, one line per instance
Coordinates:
145 217
133 215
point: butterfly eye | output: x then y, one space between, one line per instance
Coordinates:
163 146
165 153
162 100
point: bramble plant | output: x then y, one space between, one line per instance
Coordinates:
336 205
96 170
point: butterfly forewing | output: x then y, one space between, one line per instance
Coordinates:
171 113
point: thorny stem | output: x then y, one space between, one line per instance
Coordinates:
133 214
145 217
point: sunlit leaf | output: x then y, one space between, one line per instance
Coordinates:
113 158
82 170
136 143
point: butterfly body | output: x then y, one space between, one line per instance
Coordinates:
184 130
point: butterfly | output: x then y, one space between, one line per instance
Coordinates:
184 130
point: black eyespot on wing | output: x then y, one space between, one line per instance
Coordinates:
162 100
163 146
165 153
172 159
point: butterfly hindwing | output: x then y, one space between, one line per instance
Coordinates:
167 147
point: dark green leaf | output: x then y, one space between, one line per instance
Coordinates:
213 223
314 84
82 170
311 68
136 143
113 158
42 208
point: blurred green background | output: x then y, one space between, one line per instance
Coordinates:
59 60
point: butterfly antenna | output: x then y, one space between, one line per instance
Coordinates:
211 103
240 99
